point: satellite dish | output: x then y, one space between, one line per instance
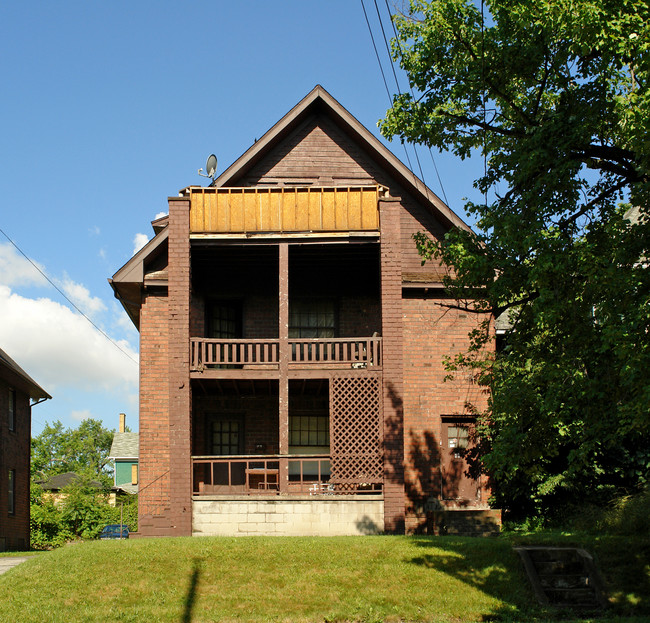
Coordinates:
210 167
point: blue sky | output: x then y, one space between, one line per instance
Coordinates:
109 108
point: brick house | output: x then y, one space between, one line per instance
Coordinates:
17 390
291 344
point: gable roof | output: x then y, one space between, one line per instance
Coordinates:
318 100
60 481
125 446
10 370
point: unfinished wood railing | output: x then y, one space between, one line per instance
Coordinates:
250 210
361 352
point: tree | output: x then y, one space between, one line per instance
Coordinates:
83 450
555 96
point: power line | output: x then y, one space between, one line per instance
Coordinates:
383 75
108 337
401 52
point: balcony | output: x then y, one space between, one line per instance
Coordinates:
264 354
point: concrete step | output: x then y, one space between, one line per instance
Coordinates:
563 577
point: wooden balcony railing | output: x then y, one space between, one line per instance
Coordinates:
351 352
257 474
324 352
213 352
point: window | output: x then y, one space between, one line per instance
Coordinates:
11 492
458 439
309 430
224 320
458 436
312 318
12 409
227 436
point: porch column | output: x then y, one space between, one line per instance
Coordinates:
285 355
180 397
392 376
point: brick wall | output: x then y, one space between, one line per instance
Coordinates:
392 332
180 403
14 454
154 406
431 332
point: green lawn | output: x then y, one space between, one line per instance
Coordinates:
297 579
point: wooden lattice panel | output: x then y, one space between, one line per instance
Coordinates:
356 431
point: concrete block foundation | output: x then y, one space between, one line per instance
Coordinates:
299 516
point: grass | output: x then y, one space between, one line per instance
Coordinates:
369 579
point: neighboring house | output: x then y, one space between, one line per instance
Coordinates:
17 391
54 486
292 344
124 454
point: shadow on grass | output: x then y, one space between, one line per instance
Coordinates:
489 566
190 598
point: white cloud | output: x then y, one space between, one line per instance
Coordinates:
95 231
139 241
80 296
102 253
159 215
16 270
79 416
60 348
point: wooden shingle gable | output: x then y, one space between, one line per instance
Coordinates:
319 138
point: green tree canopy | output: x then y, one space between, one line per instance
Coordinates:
555 95
83 450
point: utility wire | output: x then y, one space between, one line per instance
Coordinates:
108 337
383 75
401 52
376 52
399 91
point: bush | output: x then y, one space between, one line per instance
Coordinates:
80 513
623 516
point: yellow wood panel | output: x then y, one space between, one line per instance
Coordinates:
221 218
239 210
370 209
273 221
209 211
250 211
302 211
235 213
329 211
315 211
196 212
288 212
354 210
341 203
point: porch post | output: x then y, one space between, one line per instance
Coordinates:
393 371
285 354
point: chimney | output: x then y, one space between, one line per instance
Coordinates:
122 422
